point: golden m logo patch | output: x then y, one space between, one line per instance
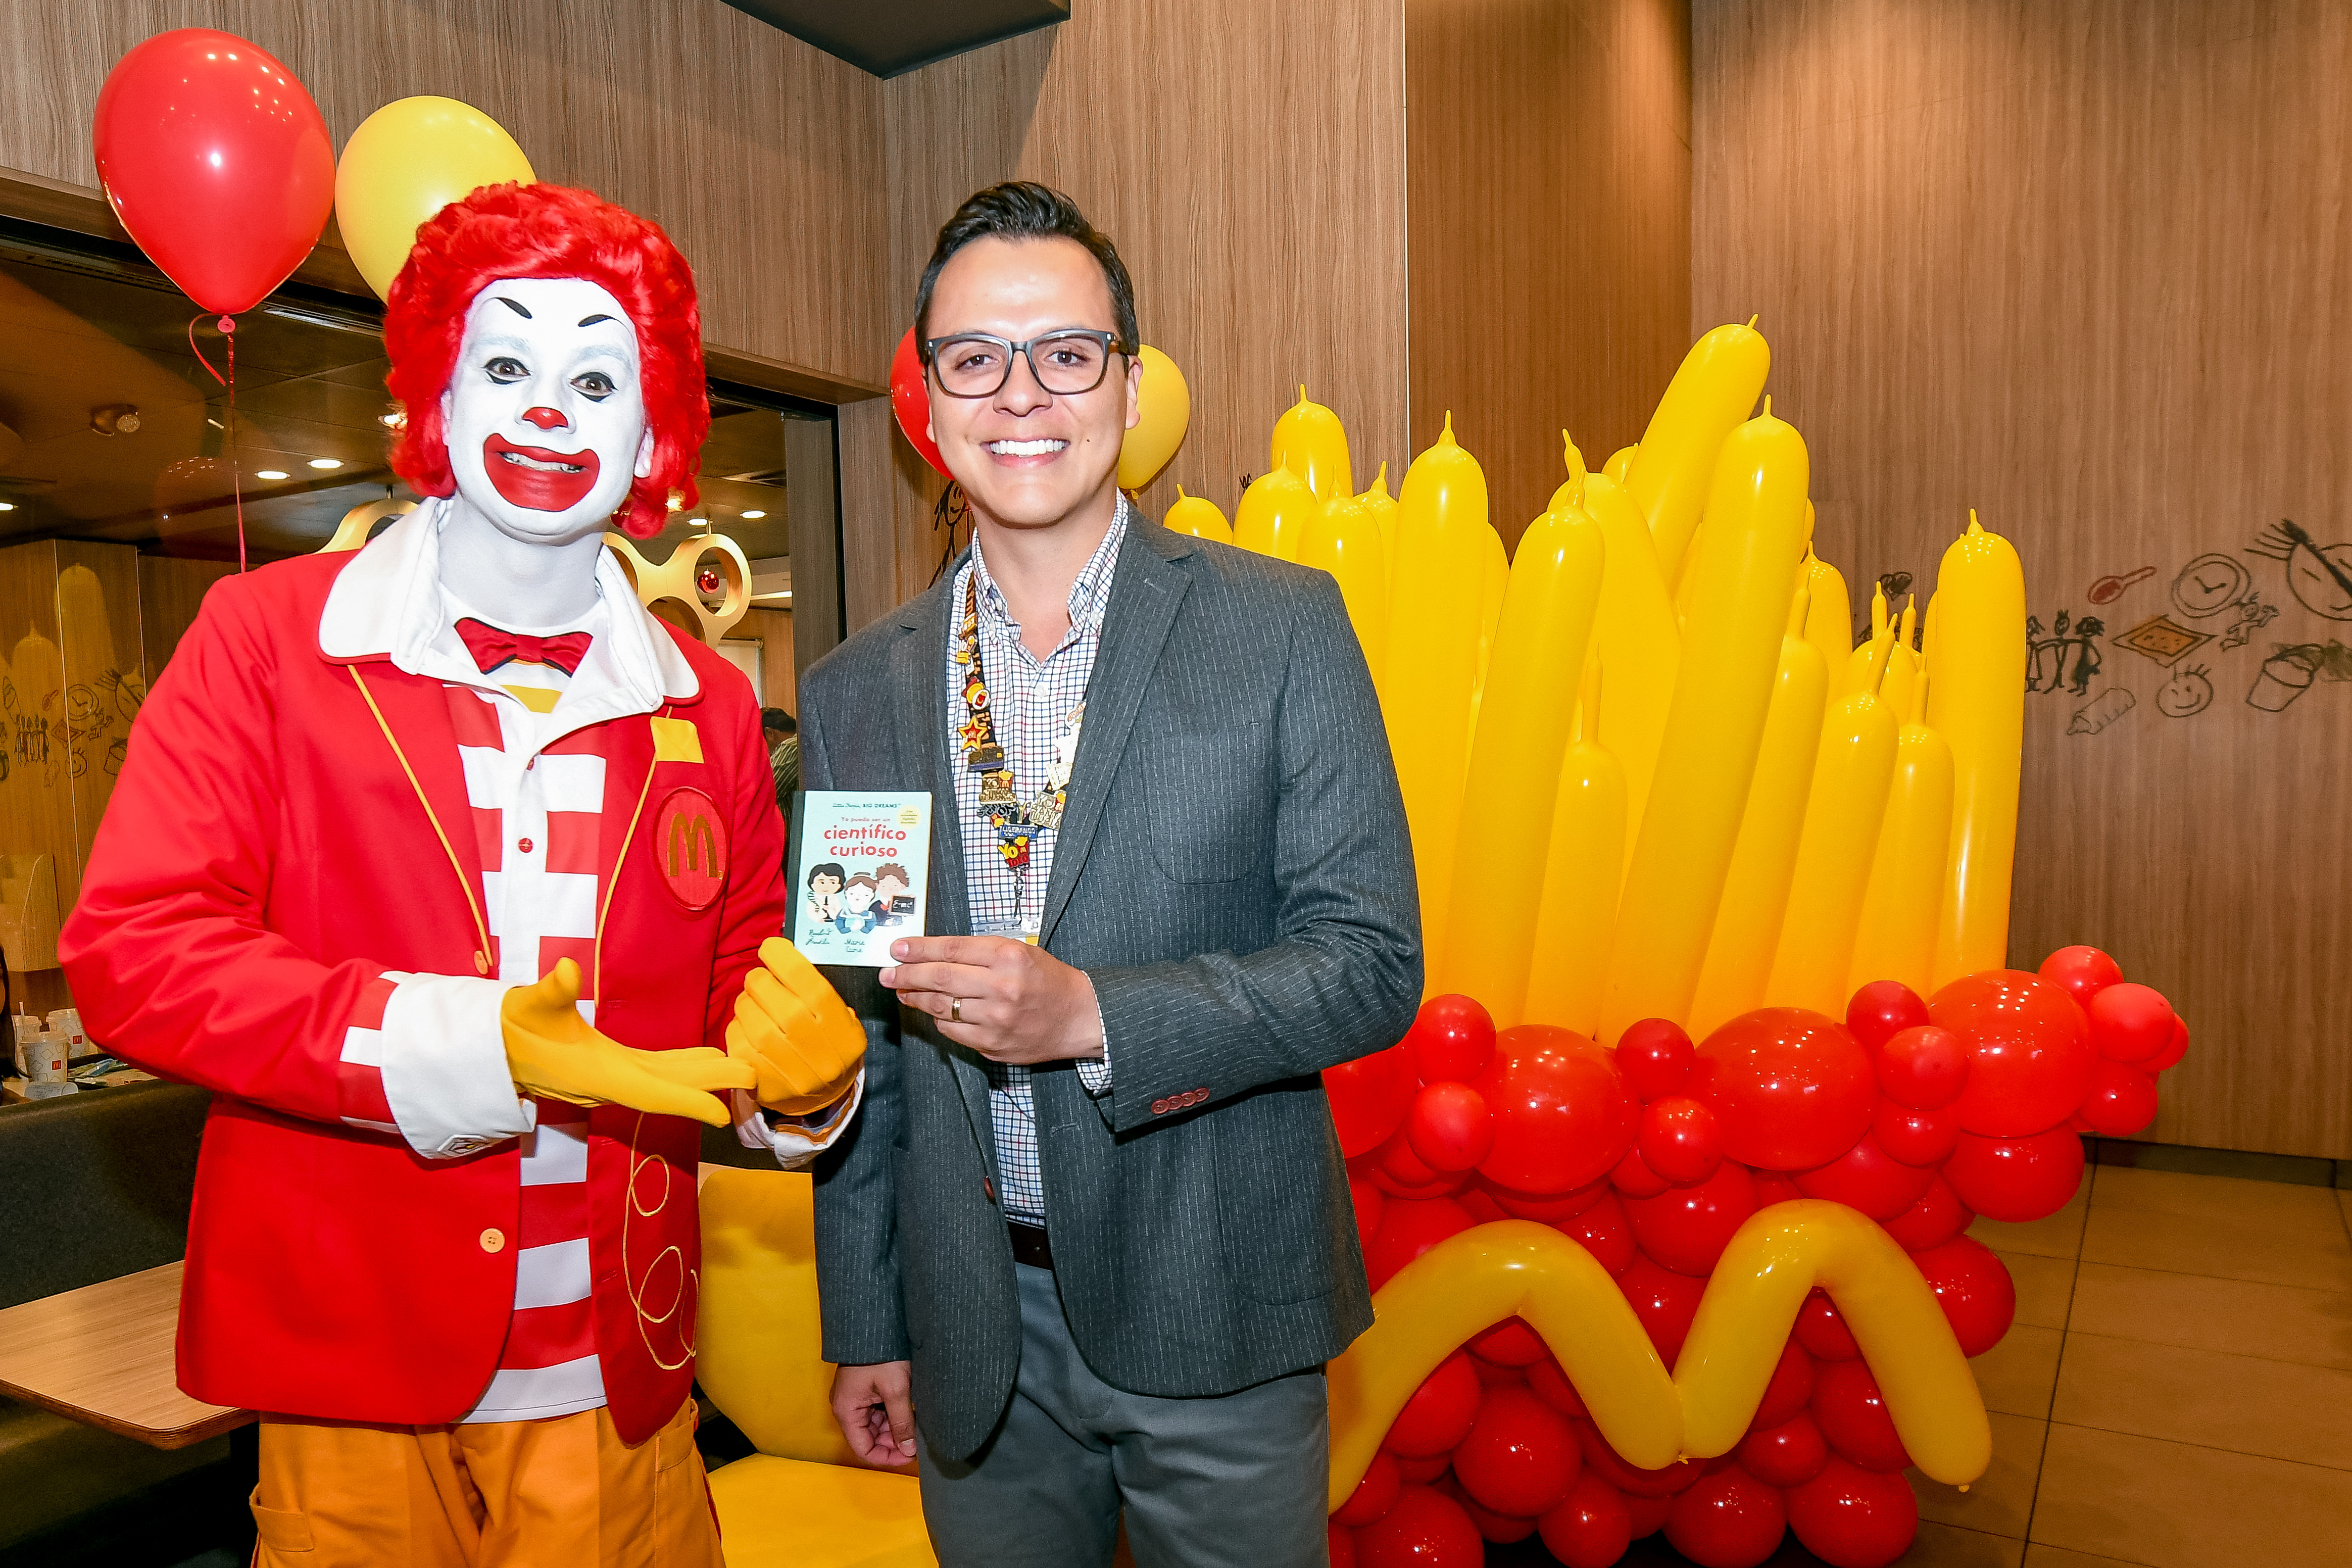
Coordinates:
690 843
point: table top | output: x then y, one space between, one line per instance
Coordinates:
105 1355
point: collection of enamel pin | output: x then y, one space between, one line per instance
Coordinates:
1016 821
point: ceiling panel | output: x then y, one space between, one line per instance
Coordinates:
886 37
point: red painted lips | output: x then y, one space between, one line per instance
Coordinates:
536 478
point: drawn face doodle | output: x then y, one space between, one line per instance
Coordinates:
2322 580
2188 691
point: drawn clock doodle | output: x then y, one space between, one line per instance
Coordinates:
2319 576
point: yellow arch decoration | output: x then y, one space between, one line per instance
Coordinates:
1521 1269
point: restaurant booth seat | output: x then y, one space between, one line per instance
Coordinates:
802 1499
94 1186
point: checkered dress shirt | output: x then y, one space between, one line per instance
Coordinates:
1031 699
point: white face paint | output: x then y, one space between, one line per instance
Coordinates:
544 414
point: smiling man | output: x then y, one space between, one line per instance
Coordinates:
384 872
1090 1242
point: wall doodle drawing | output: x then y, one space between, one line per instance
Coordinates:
2163 639
2062 659
2290 671
2110 588
2252 615
2320 578
2190 691
2102 710
2210 584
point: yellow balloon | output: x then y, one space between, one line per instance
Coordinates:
1165 411
1710 394
1383 510
1897 938
1828 616
1435 620
1976 700
1640 643
1524 717
1491 587
1274 514
1309 441
1866 664
1756 512
1584 866
1842 813
1756 886
1895 686
1344 541
406 162
1619 461
1199 517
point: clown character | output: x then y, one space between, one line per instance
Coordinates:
856 904
892 904
825 892
454 875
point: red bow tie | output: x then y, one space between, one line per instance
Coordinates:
492 647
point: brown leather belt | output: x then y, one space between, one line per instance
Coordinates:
1030 1244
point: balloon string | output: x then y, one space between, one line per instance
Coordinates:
237 479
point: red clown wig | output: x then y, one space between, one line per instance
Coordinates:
548 231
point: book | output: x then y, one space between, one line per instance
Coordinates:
861 865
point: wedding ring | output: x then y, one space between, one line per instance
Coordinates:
955 1009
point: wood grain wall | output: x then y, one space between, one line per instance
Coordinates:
761 156
2079 264
1550 168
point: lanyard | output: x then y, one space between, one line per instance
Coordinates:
1015 822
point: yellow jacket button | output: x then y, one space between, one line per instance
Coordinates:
494 1240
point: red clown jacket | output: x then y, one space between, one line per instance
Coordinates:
265 859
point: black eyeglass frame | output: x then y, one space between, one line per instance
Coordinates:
1026 349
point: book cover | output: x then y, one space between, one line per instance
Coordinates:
861 863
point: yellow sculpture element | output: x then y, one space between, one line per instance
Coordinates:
1842 813
1828 616
1619 461
406 162
1524 716
1583 868
1163 413
1491 585
1670 470
1382 510
1901 664
1310 442
1199 517
1745 573
1897 938
1866 666
674 580
1490 1273
1274 514
356 524
1344 541
1976 700
1442 540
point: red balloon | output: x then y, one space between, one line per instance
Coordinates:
1925 1138
1882 1010
1421 1472
1369 1203
1923 1067
1852 1413
1634 1178
2017 1179
1656 1057
2172 1053
1864 1178
1449 1128
1790 1088
2084 971
1452 1039
218 163
1664 1301
1852 1518
1646 1515
1599 1456
1973 1287
1686 1228
1510 1343
2130 1023
1479 1203
1788 1454
1550 1210
1520 1457
1373 1496
1426 1528
1401 1173
2122 1099
1790 1388
1591 1528
1439 1414
1729 1520
1678 1139
911 400
1342 1545
1562 1116
1547 1383
1369 1097
1821 1329
1494 1374
1409 1227
1502 1529
2029 1051
1774 1188
1935 1219
1604 1231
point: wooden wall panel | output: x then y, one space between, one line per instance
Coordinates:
760 155
2079 264
1549 149
1247 158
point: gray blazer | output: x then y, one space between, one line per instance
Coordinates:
1235 874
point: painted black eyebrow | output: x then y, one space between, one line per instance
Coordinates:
592 320
510 305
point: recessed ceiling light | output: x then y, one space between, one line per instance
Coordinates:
7 506
271 474
326 462
753 516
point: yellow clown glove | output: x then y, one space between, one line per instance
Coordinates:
552 1051
800 1038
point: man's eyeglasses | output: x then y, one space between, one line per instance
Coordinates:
1066 364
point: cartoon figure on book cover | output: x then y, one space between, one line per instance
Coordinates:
455 875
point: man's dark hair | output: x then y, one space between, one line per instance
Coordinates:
778 721
1023 209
